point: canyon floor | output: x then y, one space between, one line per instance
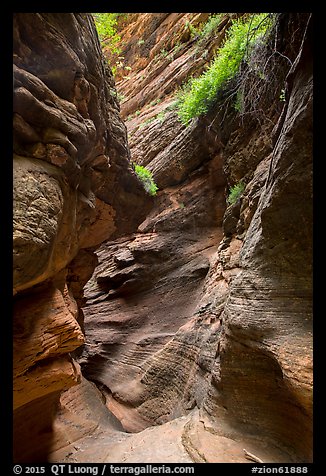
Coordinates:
174 327
188 439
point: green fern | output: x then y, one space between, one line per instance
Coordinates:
235 193
198 95
106 26
147 179
211 25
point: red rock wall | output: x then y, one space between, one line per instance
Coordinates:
264 372
202 314
148 286
197 308
73 184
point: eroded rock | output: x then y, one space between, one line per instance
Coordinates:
239 331
266 348
197 308
73 184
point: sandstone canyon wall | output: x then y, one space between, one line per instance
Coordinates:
209 305
196 314
72 185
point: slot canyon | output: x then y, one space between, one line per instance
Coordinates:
173 326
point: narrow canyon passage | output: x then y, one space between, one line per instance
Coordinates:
172 325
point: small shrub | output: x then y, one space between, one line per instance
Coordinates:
193 31
140 42
160 116
172 106
177 46
199 94
120 97
154 102
235 192
148 121
106 26
282 95
147 179
211 25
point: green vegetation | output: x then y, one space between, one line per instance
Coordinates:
172 106
106 25
148 121
146 177
132 116
164 52
282 95
193 30
235 193
174 50
154 102
120 97
160 116
198 94
211 25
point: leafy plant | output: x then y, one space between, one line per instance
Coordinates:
106 25
154 102
193 31
120 97
148 121
235 192
140 42
198 95
282 95
160 116
147 179
211 25
118 64
172 106
177 47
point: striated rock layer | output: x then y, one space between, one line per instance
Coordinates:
197 323
263 375
148 285
209 306
73 185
